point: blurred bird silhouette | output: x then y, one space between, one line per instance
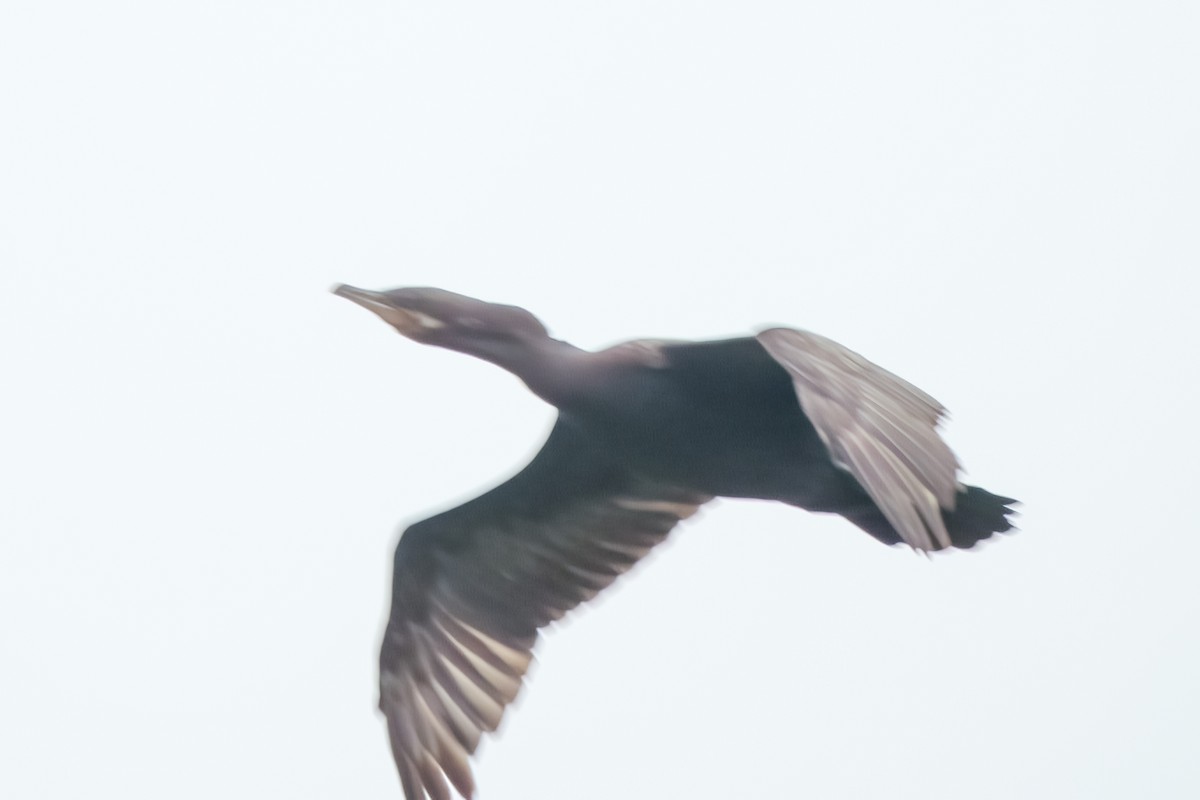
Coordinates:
647 432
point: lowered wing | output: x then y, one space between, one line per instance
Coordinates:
473 585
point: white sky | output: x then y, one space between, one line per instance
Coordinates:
205 456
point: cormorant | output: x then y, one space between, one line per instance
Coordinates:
647 432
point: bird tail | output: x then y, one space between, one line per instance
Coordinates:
977 514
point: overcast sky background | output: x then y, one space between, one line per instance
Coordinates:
205 457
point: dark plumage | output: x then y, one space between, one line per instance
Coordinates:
647 432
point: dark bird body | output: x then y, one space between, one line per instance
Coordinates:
718 417
646 433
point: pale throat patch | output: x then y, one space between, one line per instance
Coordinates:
426 321
407 321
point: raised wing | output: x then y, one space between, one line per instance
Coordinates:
878 427
473 585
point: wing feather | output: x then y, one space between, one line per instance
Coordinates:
878 427
473 585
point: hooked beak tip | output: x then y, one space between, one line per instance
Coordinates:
363 297
406 321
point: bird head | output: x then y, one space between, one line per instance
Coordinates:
445 319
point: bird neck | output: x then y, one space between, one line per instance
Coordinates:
554 370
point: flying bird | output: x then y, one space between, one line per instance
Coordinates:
647 432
